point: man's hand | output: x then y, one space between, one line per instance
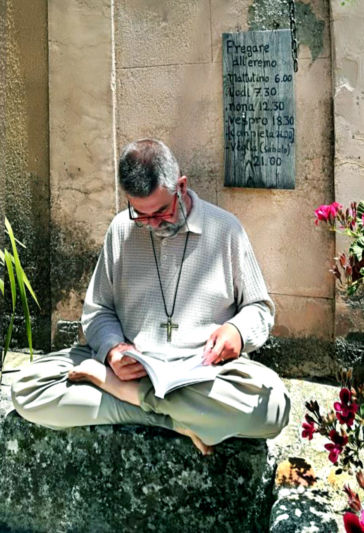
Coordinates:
225 343
124 367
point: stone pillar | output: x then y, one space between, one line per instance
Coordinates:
347 22
81 147
26 159
2 141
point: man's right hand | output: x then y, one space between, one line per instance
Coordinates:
124 367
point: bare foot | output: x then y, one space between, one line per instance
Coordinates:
103 377
89 370
204 448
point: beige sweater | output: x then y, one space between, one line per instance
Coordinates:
220 282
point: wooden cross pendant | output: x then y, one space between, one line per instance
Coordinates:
169 325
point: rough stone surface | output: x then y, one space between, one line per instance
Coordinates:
146 32
348 95
268 15
67 334
96 479
26 157
313 358
299 511
131 479
81 146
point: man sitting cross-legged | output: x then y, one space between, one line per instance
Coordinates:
175 275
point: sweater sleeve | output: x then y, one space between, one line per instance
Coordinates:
100 322
255 310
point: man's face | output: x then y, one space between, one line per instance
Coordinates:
160 212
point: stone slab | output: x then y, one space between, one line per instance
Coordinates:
294 255
183 104
128 479
147 479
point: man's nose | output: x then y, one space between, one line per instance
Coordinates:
154 222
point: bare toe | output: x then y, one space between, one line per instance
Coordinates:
204 448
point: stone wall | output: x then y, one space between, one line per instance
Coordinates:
125 69
348 96
169 86
25 165
81 156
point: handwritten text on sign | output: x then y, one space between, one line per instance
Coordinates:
259 117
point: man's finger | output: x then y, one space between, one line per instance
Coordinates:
215 353
128 376
209 345
134 367
127 360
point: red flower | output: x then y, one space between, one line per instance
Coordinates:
346 410
353 524
327 213
335 449
308 428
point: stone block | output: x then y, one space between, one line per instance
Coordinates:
67 333
109 479
162 33
80 102
314 109
183 104
294 255
128 479
302 317
238 15
308 357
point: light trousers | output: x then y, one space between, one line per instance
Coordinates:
246 399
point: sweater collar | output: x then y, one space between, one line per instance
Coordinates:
195 218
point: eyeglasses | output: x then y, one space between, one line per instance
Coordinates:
134 215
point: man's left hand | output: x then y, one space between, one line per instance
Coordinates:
225 343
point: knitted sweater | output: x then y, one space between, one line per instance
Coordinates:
220 282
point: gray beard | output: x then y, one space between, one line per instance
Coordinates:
167 229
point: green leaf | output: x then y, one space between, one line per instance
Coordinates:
29 287
20 279
9 266
360 209
2 286
362 410
357 248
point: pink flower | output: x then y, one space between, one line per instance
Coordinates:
327 213
353 524
346 410
308 428
335 449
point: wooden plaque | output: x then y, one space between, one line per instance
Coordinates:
259 109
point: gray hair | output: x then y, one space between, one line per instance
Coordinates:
145 165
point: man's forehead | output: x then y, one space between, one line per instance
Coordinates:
159 198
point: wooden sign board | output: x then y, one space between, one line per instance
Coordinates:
259 109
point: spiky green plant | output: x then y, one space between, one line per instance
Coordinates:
19 286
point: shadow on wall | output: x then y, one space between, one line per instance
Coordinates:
73 258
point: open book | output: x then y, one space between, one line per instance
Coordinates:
169 375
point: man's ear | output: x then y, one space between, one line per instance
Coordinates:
182 184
